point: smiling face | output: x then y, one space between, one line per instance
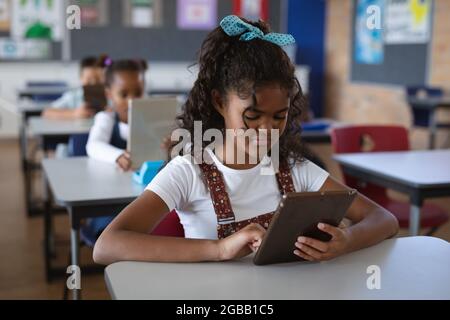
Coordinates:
264 111
126 86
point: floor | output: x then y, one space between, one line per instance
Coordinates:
21 238
21 241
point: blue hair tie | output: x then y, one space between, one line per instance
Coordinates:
234 26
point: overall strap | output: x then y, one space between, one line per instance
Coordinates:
116 140
226 220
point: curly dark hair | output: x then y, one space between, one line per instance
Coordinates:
228 64
137 65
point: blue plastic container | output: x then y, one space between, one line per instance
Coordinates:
147 172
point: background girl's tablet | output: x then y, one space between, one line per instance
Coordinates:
151 120
95 97
298 215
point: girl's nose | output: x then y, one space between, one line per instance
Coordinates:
267 124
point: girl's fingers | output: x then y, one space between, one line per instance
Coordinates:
315 254
255 245
316 244
333 231
124 164
303 255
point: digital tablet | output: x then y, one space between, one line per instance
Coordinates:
95 97
151 120
299 214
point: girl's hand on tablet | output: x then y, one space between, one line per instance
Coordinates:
124 161
315 250
241 243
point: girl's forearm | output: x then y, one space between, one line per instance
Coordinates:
114 246
59 114
377 226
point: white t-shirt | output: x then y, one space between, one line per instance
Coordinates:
98 145
180 185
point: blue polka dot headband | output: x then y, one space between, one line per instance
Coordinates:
234 26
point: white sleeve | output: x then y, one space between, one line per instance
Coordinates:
98 146
64 102
309 176
173 184
69 100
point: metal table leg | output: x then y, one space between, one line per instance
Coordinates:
433 129
414 220
75 247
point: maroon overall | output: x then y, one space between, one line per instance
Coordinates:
226 221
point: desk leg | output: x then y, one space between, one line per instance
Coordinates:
45 194
433 130
32 207
48 239
75 246
414 220
25 164
28 189
23 143
75 255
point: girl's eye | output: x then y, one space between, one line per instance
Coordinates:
280 117
251 117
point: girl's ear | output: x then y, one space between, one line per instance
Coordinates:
217 101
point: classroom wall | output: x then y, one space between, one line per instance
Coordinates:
306 22
374 103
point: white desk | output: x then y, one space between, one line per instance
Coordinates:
49 133
420 174
39 126
83 181
30 107
87 188
411 268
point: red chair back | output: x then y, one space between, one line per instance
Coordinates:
355 139
170 226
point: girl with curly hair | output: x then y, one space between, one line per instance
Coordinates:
246 82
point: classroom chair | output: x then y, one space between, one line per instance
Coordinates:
376 139
77 145
421 117
46 84
424 117
46 97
